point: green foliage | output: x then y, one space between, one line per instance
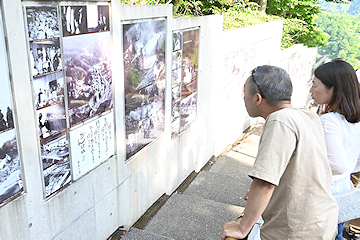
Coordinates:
345 34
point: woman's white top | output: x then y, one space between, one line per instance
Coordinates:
343 150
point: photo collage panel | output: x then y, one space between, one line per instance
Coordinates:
68 64
10 167
185 57
144 76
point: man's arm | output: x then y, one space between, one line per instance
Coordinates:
258 198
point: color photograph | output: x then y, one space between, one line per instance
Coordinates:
144 54
144 73
10 170
42 23
54 149
88 75
45 57
48 89
98 18
51 120
175 111
190 56
74 20
92 144
57 176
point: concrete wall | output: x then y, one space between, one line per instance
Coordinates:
118 192
242 50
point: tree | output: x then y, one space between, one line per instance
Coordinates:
345 34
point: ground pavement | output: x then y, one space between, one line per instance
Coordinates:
206 200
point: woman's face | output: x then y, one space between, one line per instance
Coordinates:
320 93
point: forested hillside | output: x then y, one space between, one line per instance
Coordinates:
342 23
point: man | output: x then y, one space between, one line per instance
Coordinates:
291 175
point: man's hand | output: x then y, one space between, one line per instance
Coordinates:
232 229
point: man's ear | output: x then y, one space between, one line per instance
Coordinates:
259 99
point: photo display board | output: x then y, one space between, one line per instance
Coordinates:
185 58
10 169
70 61
144 77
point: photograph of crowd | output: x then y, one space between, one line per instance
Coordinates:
74 20
10 170
144 73
98 18
57 176
42 23
45 57
51 120
88 75
92 144
54 149
48 89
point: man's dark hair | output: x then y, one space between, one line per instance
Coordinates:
273 83
346 95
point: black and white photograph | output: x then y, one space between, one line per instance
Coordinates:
144 54
88 75
10 170
6 109
92 144
176 73
45 57
175 111
98 18
42 22
177 41
176 94
53 149
48 89
188 110
51 119
144 120
175 128
74 20
57 176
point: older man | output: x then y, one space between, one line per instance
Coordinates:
291 175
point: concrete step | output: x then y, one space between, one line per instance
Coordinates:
233 163
138 234
220 187
249 146
192 217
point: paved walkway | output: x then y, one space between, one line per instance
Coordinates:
214 197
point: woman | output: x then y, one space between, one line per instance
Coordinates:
336 85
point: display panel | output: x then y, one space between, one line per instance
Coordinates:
10 168
184 79
84 48
144 74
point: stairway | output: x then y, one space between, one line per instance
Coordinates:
213 198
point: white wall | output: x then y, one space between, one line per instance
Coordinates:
242 50
118 192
